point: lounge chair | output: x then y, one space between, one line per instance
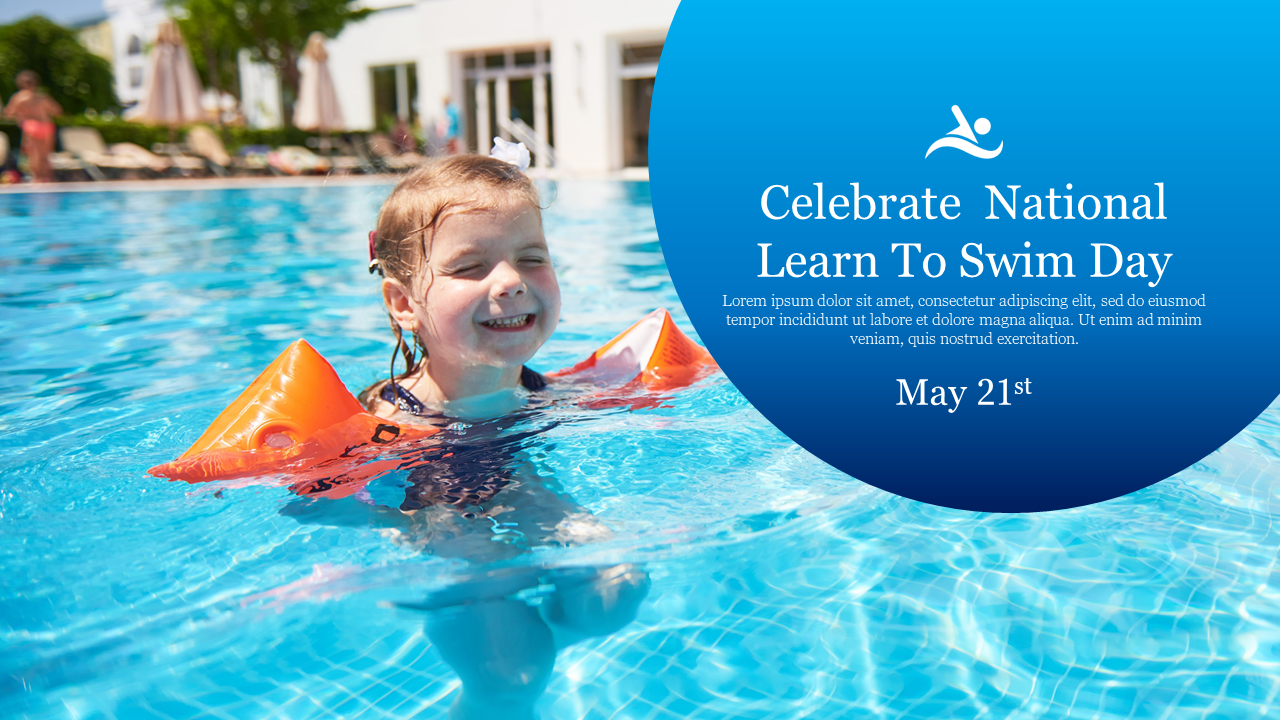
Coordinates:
388 155
7 165
256 156
347 164
355 145
67 161
158 164
180 159
83 149
297 160
205 143
340 156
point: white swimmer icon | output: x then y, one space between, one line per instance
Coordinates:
963 138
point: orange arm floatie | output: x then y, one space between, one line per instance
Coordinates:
294 416
653 352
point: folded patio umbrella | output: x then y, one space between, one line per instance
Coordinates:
317 107
172 94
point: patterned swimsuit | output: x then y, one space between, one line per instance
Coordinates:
479 459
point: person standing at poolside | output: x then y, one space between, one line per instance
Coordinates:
447 128
35 111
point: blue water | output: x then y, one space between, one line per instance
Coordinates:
768 585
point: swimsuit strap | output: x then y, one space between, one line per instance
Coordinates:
404 400
531 380
395 394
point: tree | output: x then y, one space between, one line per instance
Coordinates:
73 76
213 46
273 31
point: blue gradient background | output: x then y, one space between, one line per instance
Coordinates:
1109 98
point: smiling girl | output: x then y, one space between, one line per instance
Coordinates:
471 295
468 285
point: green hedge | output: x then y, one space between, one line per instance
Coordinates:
114 131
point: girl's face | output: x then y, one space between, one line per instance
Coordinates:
492 297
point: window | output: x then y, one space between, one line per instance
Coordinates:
135 77
134 45
637 96
508 94
395 94
638 72
641 54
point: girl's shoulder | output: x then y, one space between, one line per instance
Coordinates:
369 397
388 398
381 399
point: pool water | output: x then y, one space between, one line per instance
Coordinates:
768 584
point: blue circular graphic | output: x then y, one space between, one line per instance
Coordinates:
998 256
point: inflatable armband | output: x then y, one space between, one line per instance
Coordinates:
297 418
295 415
653 352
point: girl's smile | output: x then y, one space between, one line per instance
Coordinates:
514 323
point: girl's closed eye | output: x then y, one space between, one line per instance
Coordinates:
464 269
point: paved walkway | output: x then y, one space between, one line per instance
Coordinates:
641 174
199 183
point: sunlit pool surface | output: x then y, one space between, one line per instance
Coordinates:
777 587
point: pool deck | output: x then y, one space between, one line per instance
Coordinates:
634 174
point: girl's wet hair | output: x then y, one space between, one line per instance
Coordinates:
414 211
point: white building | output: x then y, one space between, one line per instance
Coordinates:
580 73
134 24
259 93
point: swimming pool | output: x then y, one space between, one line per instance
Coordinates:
778 587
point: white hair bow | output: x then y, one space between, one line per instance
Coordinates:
515 153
